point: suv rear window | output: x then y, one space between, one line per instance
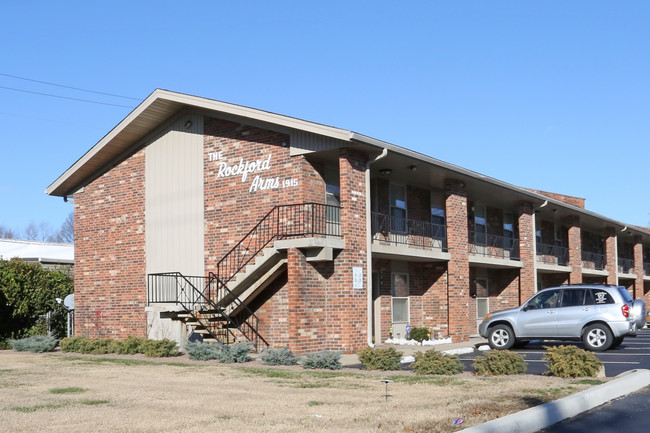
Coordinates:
573 297
625 294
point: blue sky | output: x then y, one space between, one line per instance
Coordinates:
549 95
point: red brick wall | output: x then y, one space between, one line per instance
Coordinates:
526 251
612 260
574 201
575 251
428 296
461 314
110 282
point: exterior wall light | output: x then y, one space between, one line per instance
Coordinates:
385 171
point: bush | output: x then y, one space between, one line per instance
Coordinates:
434 362
385 359
324 359
36 344
159 348
130 346
571 361
420 334
281 356
501 362
223 353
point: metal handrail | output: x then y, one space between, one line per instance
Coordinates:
625 266
493 245
404 231
553 254
599 260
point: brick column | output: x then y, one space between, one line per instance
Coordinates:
461 323
526 251
638 267
575 250
349 310
611 256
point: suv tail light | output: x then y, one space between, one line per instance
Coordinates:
625 310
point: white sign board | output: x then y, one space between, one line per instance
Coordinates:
357 277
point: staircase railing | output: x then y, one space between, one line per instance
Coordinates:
281 222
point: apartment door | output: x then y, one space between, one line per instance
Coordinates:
482 300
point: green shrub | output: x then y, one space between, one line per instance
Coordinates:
223 353
420 334
434 362
385 359
4 345
324 359
130 346
159 348
72 344
36 344
500 362
571 361
281 356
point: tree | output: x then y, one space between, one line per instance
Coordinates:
66 234
7 233
28 291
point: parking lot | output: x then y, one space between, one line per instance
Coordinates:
632 354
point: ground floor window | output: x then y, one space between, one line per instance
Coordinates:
400 297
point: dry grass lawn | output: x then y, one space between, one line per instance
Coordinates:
85 393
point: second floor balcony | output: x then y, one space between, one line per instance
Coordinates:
387 229
593 261
625 266
501 247
552 254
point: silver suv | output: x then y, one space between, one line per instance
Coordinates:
599 315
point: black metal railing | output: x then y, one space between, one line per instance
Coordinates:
203 299
484 244
625 266
281 222
552 254
594 261
404 231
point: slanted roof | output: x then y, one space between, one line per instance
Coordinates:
32 251
162 105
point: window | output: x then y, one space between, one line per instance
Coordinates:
397 197
400 293
573 297
480 225
545 299
508 231
598 297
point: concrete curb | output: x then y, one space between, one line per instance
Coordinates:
545 415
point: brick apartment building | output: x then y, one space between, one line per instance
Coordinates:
194 216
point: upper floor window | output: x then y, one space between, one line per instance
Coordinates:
397 197
480 225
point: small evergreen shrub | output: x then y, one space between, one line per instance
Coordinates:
500 362
36 344
420 334
385 359
5 345
235 353
72 344
130 346
571 361
325 359
434 362
282 356
159 348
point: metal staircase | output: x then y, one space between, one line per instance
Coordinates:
216 306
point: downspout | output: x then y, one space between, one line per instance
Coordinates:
535 244
383 153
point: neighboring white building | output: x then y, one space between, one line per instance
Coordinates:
47 253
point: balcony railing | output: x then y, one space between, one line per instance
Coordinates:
484 244
552 254
593 261
404 231
625 266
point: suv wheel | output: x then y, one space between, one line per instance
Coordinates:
501 337
597 337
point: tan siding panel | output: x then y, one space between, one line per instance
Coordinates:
174 198
305 142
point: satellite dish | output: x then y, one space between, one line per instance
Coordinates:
68 302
